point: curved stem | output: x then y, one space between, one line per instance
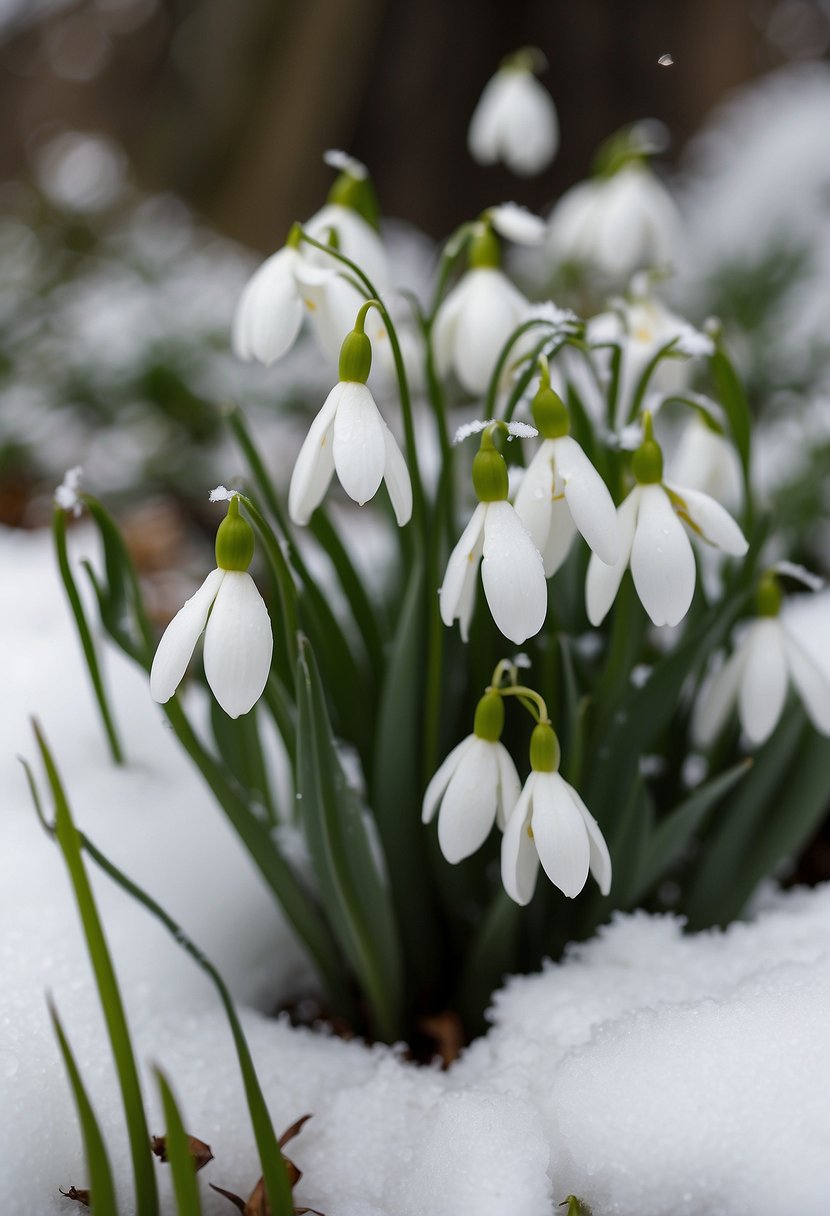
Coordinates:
504 354
528 697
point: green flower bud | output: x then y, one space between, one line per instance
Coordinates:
550 414
295 237
544 749
647 462
490 480
489 719
768 595
234 540
355 357
358 194
485 248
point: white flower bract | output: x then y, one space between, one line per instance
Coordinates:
562 492
349 437
473 323
476 786
511 570
755 679
654 542
238 642
514 122
551 824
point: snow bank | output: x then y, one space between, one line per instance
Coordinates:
649 1073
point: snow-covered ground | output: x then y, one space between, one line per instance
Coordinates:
650 1073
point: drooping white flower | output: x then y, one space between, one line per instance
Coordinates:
707 461
512 570
270 310
515 120
653 541
756 677
476 786
561 492
617 224
232 614
350 437
551 824
484 308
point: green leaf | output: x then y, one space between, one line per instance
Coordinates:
732 397
352 584
101 1187
119 596
182 1165
718 889
68 839
490 957
352 888
84 634
668 841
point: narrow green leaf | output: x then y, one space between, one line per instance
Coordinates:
67 836
119 597
85 634
716 891
353 891
179 1156
669 839
101 1186
353 588
730 393
490 957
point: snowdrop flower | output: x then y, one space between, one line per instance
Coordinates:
552 825
620 220
300 278
653 541
231 613
476 786
755 678
484 308
707 461
350 437
511 566
562 492
515 120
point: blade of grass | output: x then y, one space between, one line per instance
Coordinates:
101 1187
146 1193
182 1165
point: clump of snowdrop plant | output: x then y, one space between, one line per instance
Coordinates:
348 654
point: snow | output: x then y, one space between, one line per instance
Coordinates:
648 1073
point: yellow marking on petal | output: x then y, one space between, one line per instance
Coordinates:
529 831
310 305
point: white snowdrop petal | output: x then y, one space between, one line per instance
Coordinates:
441 779
519 859
517 224
492 308
315 462
446 324
359 445
238 644
270 312
571 222
718 698
560 834
535 495
714 521
357 240
468 808
535 136
333 305
600 858
589 501
513 574
763 689
603 581
811 683
462 569
560 537
180 638
510 787
396 476
483 132
662 561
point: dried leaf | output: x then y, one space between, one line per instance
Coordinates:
447 1032
235 1199
78 1196
293 1130
199 1151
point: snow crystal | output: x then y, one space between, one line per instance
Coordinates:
222 494
66 494
345 163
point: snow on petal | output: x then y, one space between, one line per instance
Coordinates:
441 778
662 561
519 859
589 501
315 462
713 521
468 808
763 688
560 834
513 574
603 581
180 638
359 445
238 644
